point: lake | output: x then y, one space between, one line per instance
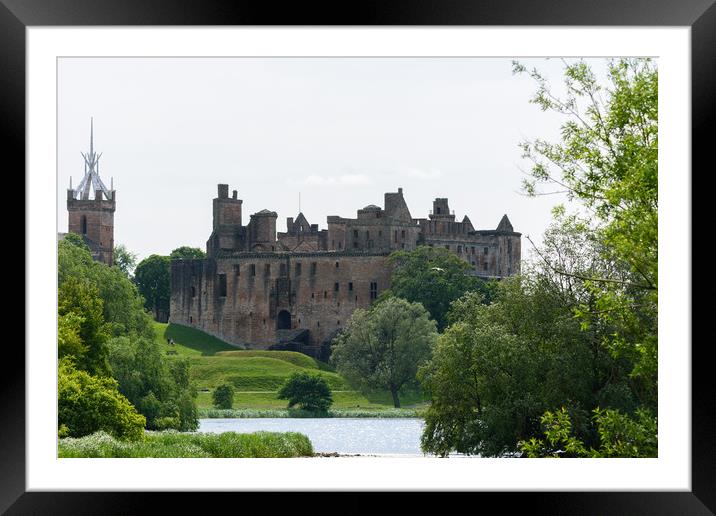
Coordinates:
385 436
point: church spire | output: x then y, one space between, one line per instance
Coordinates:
91 181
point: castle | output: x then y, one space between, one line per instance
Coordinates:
296 290
91 208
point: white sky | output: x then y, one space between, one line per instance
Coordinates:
341 131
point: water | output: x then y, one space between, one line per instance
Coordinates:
384 436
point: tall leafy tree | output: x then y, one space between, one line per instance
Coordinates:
187 253
383 347
124 259
433 277
607 160
152 276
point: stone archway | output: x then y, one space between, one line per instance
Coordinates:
283 321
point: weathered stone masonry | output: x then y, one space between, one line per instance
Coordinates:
298 288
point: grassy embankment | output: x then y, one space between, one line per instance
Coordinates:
184 445
257 376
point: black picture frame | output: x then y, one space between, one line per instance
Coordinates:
700 15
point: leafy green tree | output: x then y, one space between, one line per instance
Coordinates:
223 396
152 276
310 391
124 259
83 332
187 253
383 347
158 387
619 436
607 160
123 307
433 277
87 404
77 241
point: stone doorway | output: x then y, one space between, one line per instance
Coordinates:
283 320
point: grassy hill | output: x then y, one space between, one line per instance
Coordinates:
257 375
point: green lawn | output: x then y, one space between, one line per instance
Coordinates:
257 375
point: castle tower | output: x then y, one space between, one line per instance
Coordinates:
91 207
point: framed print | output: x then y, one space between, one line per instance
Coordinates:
321 119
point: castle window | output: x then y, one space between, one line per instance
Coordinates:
402 246
313 268
298 269
83 223
395 238
222 285
350 286
484 266
193 292
459 249
318 324
267 269
367 235
325 294
282 270
338 323
340 245
313 296
336 286
438 211
336 265
355 233
380 233
237 269
402 234
252 269
355 245
473 249
191 319
373 290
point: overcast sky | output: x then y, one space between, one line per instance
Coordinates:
341 131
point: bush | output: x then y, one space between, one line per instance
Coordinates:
88 404
310 392
223 396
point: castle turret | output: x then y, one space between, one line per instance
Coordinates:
262 231
91 207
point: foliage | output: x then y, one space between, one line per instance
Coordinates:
122 306
88 404
497 368
608 160
158 387
124 259
383 347
223 396
299 413
187 253
309 391
152 277
433 277
82 331
77 241
181 445
619 436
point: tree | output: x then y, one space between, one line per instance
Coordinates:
383 347
607 160
433 277
124 259
82 331
187 253
158 387
223 396
77 241
310 391
87 404
152 276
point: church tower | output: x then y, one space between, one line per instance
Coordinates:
91 207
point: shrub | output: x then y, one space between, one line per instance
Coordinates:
88 404
223 396
310 392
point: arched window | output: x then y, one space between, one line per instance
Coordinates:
83 224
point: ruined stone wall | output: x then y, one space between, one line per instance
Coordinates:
320 292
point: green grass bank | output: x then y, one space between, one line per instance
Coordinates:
257 375
189 445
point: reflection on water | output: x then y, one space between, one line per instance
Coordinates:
343 435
